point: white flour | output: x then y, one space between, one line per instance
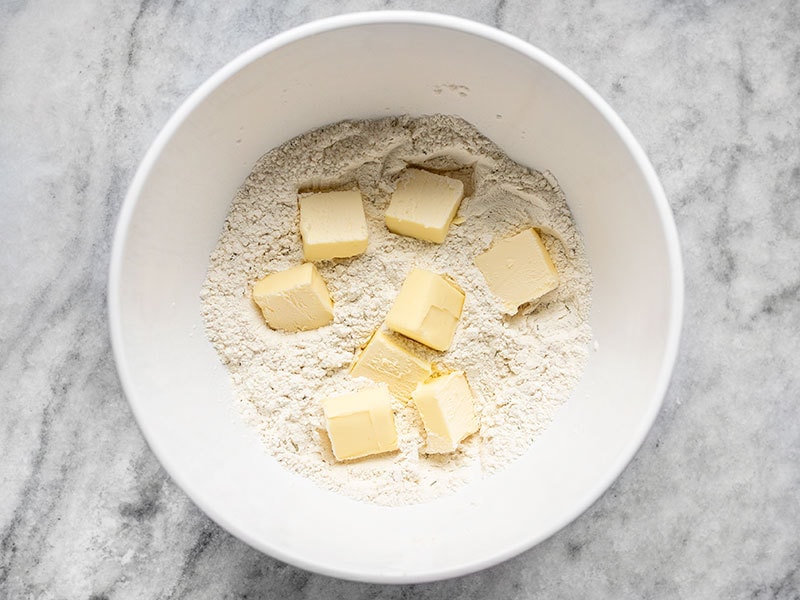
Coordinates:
520 368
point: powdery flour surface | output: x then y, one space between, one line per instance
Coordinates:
520 368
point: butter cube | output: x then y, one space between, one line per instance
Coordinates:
295 299
384 361
360 424
445 405
427 309
332 225
518 269
423 205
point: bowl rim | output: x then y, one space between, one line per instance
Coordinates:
664 213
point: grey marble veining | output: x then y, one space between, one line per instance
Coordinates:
710 506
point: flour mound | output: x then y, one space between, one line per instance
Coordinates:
520 368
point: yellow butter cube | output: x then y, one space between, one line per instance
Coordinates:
295 299
446 407
427 309
518 269
360 424
423 205
385 361
332 225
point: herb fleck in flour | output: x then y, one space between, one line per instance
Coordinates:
520 368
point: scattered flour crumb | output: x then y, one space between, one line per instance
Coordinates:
520 368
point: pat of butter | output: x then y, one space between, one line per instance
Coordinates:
384 361
360 424
295 299
447 411
427 309
518 269
332 225
423 205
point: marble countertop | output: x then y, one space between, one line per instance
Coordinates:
709 507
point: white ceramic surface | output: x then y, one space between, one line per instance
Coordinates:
371 65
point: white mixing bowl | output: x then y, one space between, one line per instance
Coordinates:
372 65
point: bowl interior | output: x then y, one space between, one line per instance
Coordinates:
369 66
